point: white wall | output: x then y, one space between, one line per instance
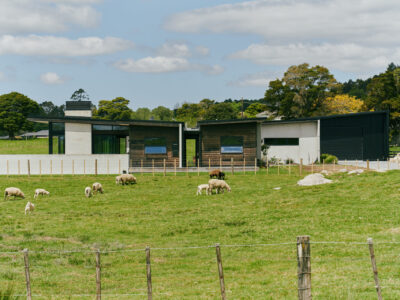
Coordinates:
309 142
78 138
65 164
78 113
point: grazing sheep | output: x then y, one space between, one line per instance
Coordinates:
29 207
217 174
128 178
40 192
118 180
218 185
97 187
395 158
202 187
88 192
12 191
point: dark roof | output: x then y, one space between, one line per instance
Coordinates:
232 121
78 105
87 120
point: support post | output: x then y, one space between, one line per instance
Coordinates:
98 275
95 166
290 170
388 164
267 165
27 275
220 272
334 165
379 165
304 267
29 167
301 167
148 272
374 268
312 168
164 167
323 164
279 168
62 167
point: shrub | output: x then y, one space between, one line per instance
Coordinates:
329 158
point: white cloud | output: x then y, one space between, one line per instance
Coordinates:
366 21
170 49
258 79
201 50
51 78
58 46
163 64
27 16
345 57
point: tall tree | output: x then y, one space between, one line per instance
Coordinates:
14 110
80 95
342 104
162 113
189 113
116 109
255 108
142 113
49 109
221 111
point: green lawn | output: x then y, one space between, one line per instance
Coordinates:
31 146
164 212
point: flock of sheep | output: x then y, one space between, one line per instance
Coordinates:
216 182
89 191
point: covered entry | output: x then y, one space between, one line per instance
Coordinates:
191 147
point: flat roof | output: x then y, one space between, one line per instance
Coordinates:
232 121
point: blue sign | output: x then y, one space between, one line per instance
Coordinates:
232 149
155 150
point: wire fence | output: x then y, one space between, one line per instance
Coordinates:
347 269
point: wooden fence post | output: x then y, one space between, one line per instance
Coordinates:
345 163
334 165
279 168
267 165
164 167
220 271
232 171
152 162
304 267
374 268
119 166
148 272
312 168
27 275
323 164
98 275
95 166
209 164
108 166
244 165
51 167
62 167
175 166
220 162
73 167
198 167
19 167
301 167
8 168
141 167
29 167
187 168
388 164
84 167
255 166
290 170
40 167
367 165
379 165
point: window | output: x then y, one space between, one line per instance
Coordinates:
56 138
102 127
231 144
281 141
155 146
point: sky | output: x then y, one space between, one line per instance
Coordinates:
158 52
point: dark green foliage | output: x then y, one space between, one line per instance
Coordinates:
221 111
116 109
162 113
80 95
14 110
328 158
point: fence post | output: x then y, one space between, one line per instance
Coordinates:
108 166
95 166
374 268
367 164
388 164
220 271
51 167
312 168
323 164
148 272
304 267
301 167
255 166
290 170
198 167
84 167
267 165
73 167
164 167
8 169
29 167
152 163
27 275
220 162
209 164
175 166
187 168
19 167
279 168
98 275
232 165
119 166
244 165
334 165
40 167
141 167
379 165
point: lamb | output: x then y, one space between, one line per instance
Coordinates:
128 178
202 187
12 191
218 185
29 207
40 192
217 174
97 187
88 192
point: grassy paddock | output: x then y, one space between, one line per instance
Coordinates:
164 212
31 146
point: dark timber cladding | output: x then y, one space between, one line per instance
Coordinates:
356 136
148 143
213 137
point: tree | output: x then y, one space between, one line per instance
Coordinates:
221 111
116 109
189 113
342 104
255 109
301 92
80 95
142 113
49 109
162 113
14 110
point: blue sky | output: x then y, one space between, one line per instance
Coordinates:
157 52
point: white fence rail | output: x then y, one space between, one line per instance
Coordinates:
63 164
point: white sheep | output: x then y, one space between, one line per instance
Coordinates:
202 187
97 187
12 191
128 178
118 179
29 207
218 185
40 192
88 192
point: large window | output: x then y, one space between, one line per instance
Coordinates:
109 139
56 138
281 141
231 144
155 146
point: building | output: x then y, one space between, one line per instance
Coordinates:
352 136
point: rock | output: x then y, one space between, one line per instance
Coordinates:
313 179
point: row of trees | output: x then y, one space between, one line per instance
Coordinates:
303 91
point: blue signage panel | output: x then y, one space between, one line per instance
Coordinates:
232 149
155 150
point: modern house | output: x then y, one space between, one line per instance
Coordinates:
352 136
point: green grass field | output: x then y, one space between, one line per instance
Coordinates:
164 212
31 146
